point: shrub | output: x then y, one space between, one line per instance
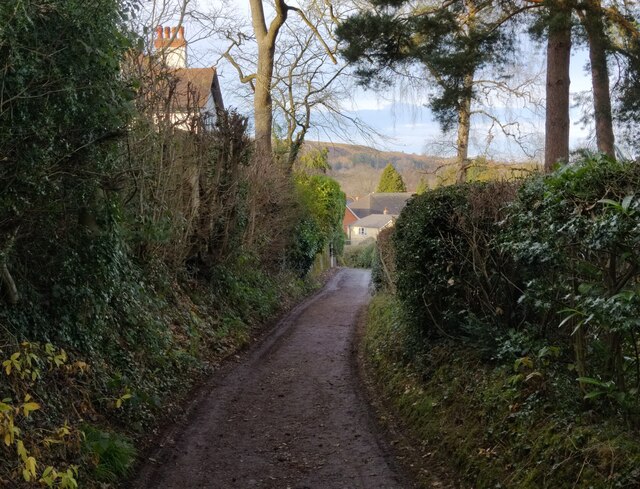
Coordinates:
449 271
111 454
556 263
361 255
383 274
320 224
575 233
487 424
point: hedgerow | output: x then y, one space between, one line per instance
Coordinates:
449 271
134 254
557 262
538 283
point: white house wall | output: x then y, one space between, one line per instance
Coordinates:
356 237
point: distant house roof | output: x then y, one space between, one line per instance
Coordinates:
377 221
348 210
194 86
379 203
175 91
182 96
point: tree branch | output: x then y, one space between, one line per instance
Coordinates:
317 34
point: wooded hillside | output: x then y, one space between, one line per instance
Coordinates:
358 168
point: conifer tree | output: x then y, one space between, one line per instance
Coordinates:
453 41
391 181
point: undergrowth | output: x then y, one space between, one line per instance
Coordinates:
78 418
360 256
510 339
493 430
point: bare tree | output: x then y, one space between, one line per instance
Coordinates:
308 88
260 77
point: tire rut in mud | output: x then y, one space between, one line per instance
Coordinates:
290 415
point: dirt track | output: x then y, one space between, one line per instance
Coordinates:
289 415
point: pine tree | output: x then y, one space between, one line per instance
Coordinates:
391 181
454 41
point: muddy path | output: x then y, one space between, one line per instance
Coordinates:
291 414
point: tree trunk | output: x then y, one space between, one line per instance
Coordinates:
592 21
464 129
262 103
266 39
580 350
615 361
10 285
294 150
614 366
557 113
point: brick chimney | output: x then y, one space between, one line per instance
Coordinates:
172 46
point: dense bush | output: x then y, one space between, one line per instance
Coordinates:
320 220
450 273
536 286
575 235
486 425
383 270
554 266
362 255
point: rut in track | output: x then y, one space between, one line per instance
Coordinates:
289 415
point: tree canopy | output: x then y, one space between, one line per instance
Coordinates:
452 42
391 181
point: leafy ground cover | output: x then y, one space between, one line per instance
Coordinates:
69 419
485 426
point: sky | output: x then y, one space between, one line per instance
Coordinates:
413 129
405 123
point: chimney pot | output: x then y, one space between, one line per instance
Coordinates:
174 31
167 32
159 32
181 32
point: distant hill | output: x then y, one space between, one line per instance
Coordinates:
358 168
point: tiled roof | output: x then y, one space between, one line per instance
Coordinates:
374 221
178 90
376 203
194 86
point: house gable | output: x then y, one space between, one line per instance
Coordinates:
369 226
349 218
191 97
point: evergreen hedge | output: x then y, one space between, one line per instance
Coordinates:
554 264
